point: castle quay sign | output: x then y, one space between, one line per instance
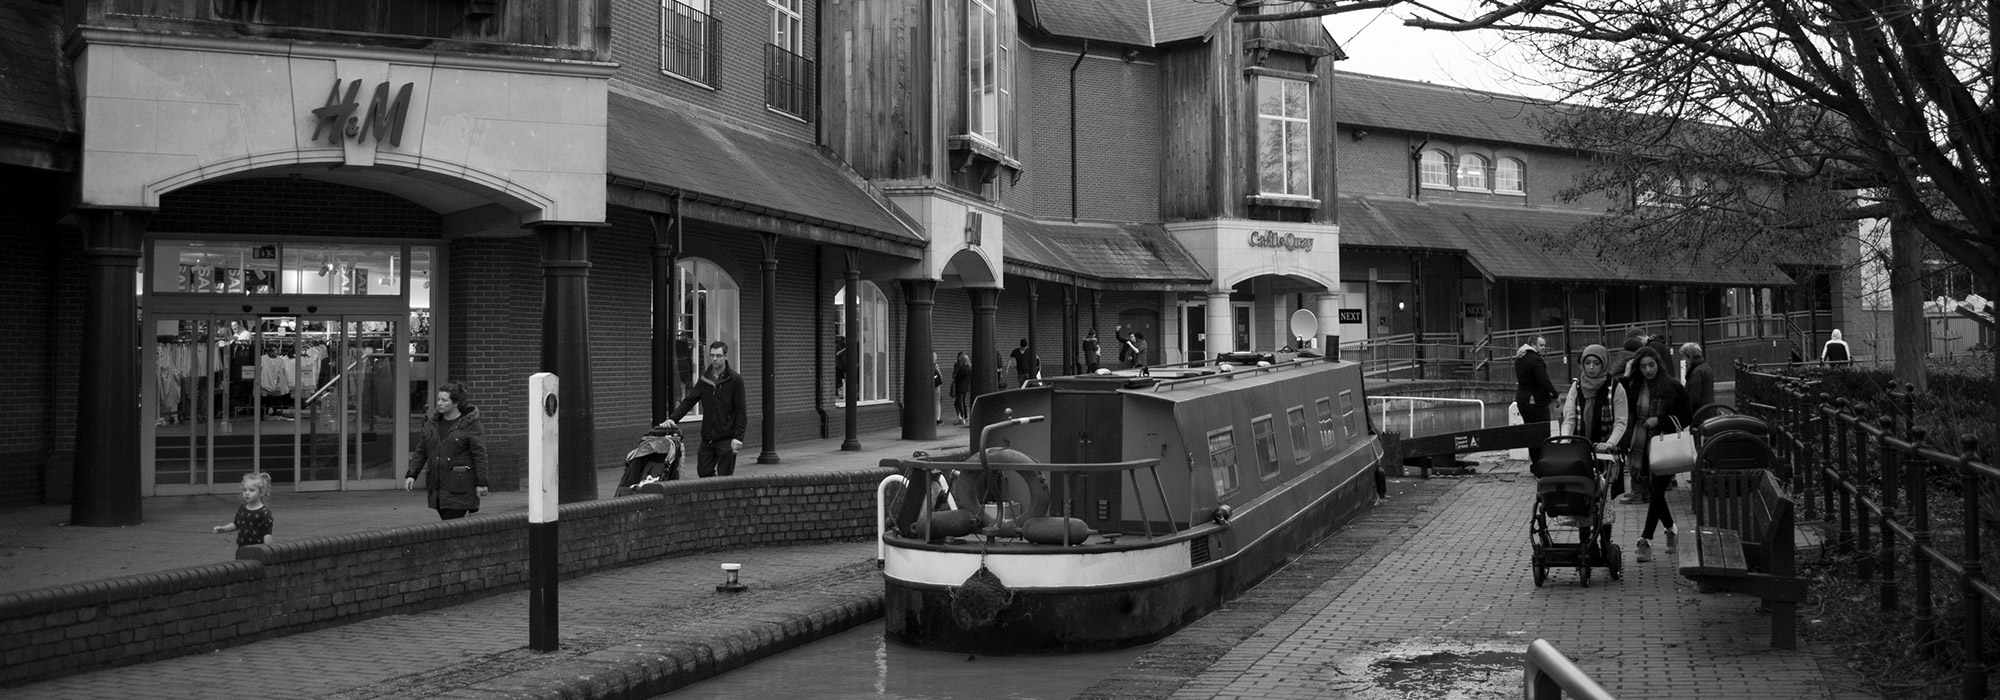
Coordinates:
1274 239
337 119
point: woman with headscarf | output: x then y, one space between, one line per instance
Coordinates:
1594 408
1659 406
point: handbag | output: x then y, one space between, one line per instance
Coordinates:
1672 453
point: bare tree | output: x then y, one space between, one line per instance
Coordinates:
1773 114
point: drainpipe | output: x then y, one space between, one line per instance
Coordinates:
1417 168
1072 127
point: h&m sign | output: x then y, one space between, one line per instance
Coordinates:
337 119
1274 239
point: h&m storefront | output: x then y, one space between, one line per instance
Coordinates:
291 223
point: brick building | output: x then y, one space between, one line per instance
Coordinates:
319 217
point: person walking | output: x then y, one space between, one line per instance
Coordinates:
253 522
1700 378
1092 355
1595 407
961 386
1532 390
1024 363
724 418
451 456
1659 406
1834 352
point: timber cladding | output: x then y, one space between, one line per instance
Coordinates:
298 586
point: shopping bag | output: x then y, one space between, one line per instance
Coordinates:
1671 453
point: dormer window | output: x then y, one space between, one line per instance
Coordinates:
1510 177
1435 168
1472 172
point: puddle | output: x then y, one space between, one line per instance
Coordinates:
1446 669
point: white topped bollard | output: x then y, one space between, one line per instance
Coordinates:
544 428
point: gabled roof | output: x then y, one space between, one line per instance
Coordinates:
1157 22
1122 21
663 143
1496 239
32 96
1177 20
1121 256
1388 103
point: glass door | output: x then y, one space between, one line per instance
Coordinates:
316 401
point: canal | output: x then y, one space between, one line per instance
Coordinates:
860 664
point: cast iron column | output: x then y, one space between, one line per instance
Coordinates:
1034 319
107 487
769 453
852 358
1072 338
566 353
985 306
666 314
919 393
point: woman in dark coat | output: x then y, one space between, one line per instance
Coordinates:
1659 406
451 456
961 386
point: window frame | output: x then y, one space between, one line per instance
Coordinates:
668 42
986 46
1301 442
872 370
1263 434
1446 169
1472 174
1286 124
1222 461
1347 413
1520 176
788 14
719 318
1323 407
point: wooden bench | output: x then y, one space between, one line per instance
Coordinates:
1741 541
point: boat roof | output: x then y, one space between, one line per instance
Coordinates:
1183 384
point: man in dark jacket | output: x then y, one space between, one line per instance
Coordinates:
1532 390
1700 379
723 415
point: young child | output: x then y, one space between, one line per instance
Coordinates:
253 521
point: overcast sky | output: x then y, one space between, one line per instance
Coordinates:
1377 43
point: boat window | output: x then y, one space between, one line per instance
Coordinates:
1324 408
1267 446
1222 459
1347 416
1301 450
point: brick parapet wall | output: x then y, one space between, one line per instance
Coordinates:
297 586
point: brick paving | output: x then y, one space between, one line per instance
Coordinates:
1442 565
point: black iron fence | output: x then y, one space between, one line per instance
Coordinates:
1894 501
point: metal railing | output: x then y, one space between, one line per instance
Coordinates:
1408 428
1551 676
1876 474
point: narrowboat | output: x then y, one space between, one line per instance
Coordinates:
1107 510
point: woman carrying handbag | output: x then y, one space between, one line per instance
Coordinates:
1659 406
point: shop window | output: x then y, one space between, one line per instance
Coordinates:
1435 167
1472 172
1301 449
710 312
687 40
871 350
1222 459
1510 177
1284 133
789 76
260 268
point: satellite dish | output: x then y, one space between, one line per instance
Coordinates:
1304 324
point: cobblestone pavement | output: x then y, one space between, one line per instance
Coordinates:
1451 588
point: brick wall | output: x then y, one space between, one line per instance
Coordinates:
495 322
30 303
744 28
1118 134
298 586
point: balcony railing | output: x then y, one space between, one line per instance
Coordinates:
687 42
789 81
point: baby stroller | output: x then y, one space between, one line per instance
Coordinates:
656 459
1570 526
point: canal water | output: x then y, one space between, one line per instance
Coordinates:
861 665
